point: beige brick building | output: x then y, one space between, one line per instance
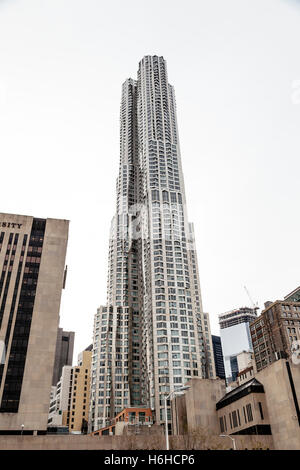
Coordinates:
79 394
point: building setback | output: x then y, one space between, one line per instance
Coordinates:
153 334
32 263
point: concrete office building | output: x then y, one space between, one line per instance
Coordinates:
276 332
243 410
235 337
152 334
267 404
218 356
264 410
63 353
32 263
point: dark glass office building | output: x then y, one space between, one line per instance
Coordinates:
218 355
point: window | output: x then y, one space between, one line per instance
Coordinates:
245 414
222 427
261 410
155 195
225 424
234 419
239 419
165 196
249 412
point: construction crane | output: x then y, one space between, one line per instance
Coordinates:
254 305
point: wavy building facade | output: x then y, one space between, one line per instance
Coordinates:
152 336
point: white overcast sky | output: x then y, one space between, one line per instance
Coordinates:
235 66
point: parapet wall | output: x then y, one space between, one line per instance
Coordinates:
83 442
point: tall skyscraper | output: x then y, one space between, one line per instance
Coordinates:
153 335
32 263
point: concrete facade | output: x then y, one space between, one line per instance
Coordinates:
265 407
73 442
283 407
32 259
197 407
244 411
